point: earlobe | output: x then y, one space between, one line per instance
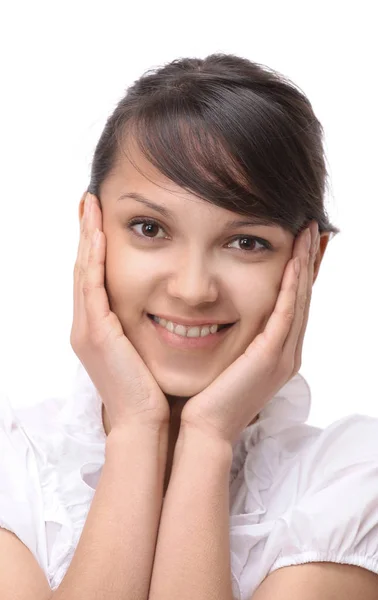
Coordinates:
323 243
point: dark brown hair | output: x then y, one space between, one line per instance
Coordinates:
230 131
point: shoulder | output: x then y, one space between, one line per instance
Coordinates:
18 477
337 458
54 451
327 580
332 482
354 435
310 495
27 437
333 514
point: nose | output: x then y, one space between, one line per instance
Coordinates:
192 281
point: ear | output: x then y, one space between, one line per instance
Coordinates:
324 239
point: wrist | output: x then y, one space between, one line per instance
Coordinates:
204 442
137 434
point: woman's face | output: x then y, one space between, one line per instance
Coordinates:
189 264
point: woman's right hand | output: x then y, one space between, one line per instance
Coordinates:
125 384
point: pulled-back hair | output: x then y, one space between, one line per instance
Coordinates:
230 131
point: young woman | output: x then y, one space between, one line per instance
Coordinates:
181 465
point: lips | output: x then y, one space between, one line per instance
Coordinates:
223 326
184 343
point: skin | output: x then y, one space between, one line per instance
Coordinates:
195 269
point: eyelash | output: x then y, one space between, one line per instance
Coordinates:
139 221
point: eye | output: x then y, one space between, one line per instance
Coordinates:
148 226
252 240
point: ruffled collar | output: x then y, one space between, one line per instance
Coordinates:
81 418
290 406
82 415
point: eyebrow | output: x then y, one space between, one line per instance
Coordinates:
251 221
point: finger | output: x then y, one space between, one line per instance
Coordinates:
298 351
272 339
94 293
91 219
302 250
253 369
94 221
79 273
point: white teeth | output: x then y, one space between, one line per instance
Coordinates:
170 326
205 331
180 330
192 332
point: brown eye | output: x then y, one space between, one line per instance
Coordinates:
250 244
148 230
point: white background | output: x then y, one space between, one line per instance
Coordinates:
64 66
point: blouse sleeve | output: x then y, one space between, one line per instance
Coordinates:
18 480
334 516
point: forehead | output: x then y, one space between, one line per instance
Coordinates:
134 175
133 172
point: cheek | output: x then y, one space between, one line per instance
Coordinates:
127 280
258 300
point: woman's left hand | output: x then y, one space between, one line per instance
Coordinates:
227 406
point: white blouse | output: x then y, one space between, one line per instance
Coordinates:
298 493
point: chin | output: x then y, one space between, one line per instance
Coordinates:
181 386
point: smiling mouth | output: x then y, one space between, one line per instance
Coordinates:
172 327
